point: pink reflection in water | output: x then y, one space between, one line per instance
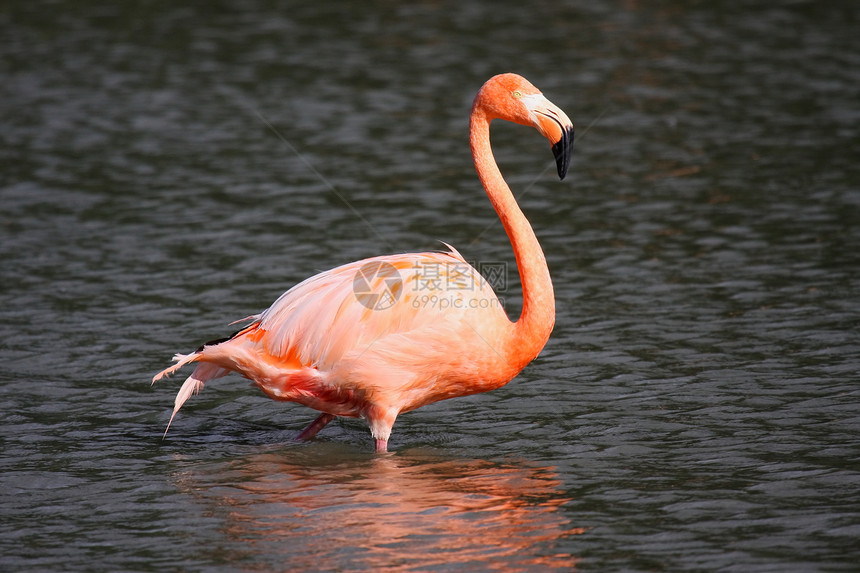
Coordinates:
395 513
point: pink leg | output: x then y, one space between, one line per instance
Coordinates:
315 426
381 446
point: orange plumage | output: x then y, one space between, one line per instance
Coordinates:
383 336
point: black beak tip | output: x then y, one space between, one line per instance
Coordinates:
562 151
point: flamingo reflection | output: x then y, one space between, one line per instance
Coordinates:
388 513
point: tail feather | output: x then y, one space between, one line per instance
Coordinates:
207 370
193 384
181 360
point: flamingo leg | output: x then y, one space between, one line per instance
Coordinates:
381 446
315 426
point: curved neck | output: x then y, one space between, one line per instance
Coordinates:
532 329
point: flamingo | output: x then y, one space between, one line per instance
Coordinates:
386 335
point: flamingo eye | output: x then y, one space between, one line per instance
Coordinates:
517 94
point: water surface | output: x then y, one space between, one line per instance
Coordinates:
167 170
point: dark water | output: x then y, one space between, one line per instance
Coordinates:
696 409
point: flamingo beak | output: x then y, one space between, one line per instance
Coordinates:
554 125
562 150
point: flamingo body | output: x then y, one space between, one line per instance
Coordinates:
386 335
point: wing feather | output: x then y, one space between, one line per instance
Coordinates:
322 319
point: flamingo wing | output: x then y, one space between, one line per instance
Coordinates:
349 308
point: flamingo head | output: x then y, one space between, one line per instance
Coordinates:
514 98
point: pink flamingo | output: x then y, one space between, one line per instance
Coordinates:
389 334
